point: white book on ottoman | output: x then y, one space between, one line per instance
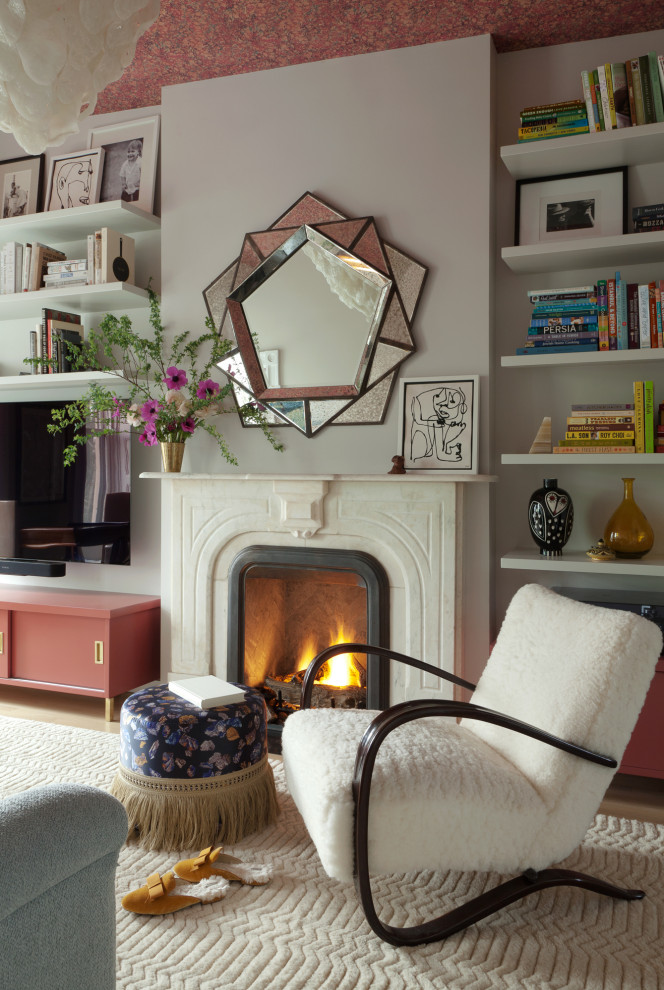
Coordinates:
207 691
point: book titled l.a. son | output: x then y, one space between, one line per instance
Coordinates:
207 691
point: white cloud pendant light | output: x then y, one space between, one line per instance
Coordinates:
56 56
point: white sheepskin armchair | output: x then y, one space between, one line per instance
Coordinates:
479 793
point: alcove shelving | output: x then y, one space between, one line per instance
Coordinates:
68 229
626 147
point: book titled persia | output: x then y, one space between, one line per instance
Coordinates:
207 691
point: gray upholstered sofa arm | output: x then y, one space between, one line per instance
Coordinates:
58 852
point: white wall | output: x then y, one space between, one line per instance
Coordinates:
403 135
523 397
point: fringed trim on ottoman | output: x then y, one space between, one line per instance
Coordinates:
175 813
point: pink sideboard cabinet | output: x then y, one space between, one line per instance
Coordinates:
96 643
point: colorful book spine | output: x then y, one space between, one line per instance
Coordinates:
543 133
609 122
648 418
573 292
638 92
652 313
621 314
660 317
646 87
602 315
620 94
630 92
598 100
606 408
633 342
617 449
591 109
644 316
560 339
570 442
563 349
639 423
613 314
564 321
599 435
652 209
656 87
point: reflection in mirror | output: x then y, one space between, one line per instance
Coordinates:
321 311
311 297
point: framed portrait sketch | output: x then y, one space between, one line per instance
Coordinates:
580 204
130 164
438 423
21 180
74 179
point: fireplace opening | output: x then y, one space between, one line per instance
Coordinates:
286 604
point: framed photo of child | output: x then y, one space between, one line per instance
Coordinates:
130 162
21 180
438 423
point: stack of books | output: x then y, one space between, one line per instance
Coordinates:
599 428
550 120
646 218
65 274
624 94
611 315
23 266
564 319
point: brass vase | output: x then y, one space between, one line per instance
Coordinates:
172 453
628 533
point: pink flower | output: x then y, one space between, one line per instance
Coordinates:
189 424
206 389
148 437
175 378
149 410
119 407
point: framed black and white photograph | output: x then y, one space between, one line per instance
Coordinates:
130 164
22 180
74 179
438 423
579 204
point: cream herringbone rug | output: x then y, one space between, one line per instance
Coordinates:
304 931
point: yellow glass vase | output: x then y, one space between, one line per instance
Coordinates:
628 533
172 453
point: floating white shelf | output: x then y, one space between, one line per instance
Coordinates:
74 224
652 565
607 358
641 459
618 251
56 387
628 146
83 298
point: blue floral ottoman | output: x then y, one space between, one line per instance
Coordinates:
190 777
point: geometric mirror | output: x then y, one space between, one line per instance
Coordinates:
320 309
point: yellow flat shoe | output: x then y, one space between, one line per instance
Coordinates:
155 896
213 862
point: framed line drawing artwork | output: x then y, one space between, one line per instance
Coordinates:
564 207
438 423
130 164
74 179
21 182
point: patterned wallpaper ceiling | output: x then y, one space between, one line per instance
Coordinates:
204 39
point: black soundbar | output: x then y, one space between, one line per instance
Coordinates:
41 568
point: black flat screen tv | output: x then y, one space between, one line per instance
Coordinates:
49 512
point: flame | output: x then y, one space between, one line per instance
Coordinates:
342 671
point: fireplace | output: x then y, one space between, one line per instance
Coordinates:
285 605
409 524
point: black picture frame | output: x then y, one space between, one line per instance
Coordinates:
29 171
570 206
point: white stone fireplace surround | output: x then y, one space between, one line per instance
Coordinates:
410 524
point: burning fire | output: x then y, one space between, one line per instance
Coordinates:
341 671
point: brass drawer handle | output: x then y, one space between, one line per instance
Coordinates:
99 651
2 642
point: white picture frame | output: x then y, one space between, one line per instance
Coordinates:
438 423
74 179
573 206
118 141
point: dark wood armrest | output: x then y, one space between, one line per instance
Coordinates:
379 651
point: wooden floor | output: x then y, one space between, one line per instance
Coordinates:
627 797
